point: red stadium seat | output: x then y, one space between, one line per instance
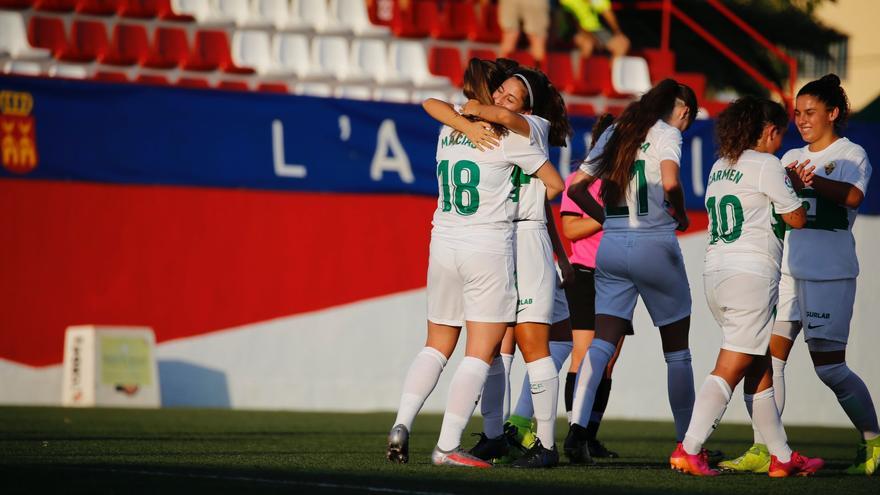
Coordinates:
233 85
417 22
696 81
481 54
211 52
97 7
47 32
715 107
55 5
139 9
484 28
581 109
595 78
661 65
560 71
615 110
88 42
193 82
273 87
15 4
524 58
454 20
152 79
170 49
446 61
110 76
128 46
166 13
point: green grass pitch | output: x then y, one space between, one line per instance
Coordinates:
55 450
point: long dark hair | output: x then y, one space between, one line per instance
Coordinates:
481 79
741 124
548 103
829 91
614 165
603 122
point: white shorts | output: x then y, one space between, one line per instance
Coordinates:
632 264
536 276
743 304
826 308
787 308
469 286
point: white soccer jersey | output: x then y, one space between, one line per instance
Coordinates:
529 192
825 248
644 206
474 210
741 200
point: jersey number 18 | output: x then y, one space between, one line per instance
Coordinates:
461 191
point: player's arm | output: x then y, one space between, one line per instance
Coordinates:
578 191
558 248
795 219
669 175
498 115
842 193
576 227
551 179
478 133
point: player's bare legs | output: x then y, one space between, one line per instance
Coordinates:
508 43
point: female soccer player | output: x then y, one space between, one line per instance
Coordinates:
470 270
820 267
747 187
638 161
527 104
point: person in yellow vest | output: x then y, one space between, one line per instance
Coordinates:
591 33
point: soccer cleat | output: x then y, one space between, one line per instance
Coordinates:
457 457
398 445
538 457
797 466
695 464
598 449
867 458
755 460
575 446
489 448
522 429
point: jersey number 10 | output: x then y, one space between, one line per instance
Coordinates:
725 218
462 190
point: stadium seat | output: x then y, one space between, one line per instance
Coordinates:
23 68
480 53
273 12
524 58
48 33
97 7
354 92
193 82
239 11
420 95
696 81
110 76
314 15
166 12
484 28
233 85
715 107
595 77
69 71
369 57
393 94
253 48
416 22
45 36
15 4
581 109
630 75
330 55
128 46
211 52
88 42
453 21
139 9
352 15
159 79
317 89
660 64
560 71
55 5
273 87
170 49
290 52
409 62
204 11
446 61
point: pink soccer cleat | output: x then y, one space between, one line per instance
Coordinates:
797 466
695 464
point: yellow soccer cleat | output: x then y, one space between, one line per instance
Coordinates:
755 460
867 458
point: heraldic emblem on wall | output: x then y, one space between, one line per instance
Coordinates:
18 134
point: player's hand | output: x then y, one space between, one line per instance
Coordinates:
683 222
794 170
806 174
472 107
568 275
482 135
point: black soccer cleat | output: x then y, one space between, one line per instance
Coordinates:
598 450
575 446
538 457
398 445
489 448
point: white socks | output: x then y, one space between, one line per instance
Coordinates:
559 351
419 383
680 387
767 420
591 373
707 411
778 393
492 402
544 377
464 393
853 396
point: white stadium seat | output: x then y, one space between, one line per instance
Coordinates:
291 53
14 41
330 54
273 12
23 67
409 62
69 71
369 57
320 89
315 15
629 75
204 11
352 15
253 48
394 95
354 92
237 10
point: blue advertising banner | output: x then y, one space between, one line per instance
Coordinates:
138 134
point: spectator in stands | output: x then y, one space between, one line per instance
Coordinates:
591 34
535 18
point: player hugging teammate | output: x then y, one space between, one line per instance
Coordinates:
750 198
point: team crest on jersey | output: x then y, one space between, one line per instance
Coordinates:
830 168
18 135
